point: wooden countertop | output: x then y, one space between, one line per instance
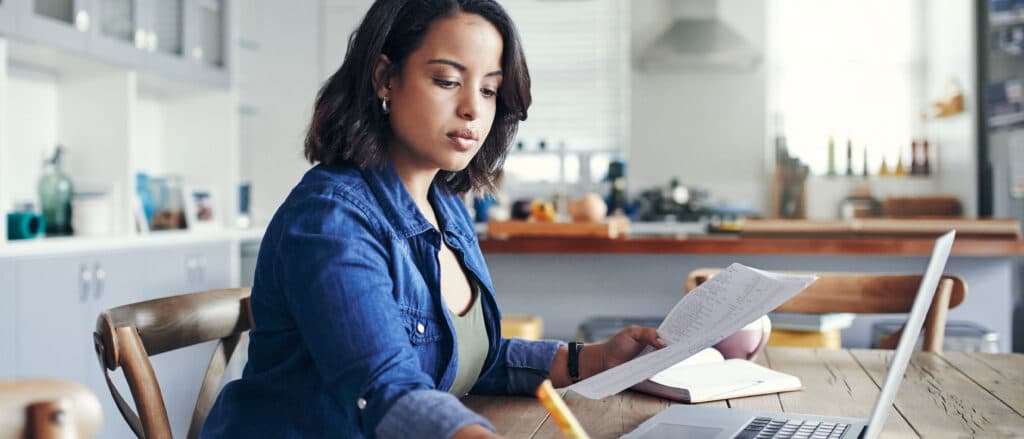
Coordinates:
731 244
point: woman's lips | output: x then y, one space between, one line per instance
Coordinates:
462 144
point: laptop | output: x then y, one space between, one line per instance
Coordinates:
716 422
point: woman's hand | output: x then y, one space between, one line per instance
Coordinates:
596 358
628 343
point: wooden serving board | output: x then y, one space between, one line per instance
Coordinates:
918 227
610 228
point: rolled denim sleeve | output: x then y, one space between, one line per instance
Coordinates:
518 368
437 414
334 270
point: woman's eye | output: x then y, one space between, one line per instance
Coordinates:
489 93
445 84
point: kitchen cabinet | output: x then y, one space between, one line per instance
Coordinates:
120 36
180 270
6 16
187 39
61 24
58 298
133 99
177 39
7 334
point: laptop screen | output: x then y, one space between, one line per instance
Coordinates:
898 366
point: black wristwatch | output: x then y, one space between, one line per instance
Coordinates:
574 360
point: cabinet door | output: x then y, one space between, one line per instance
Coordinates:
118 35
64 24
118 279
173 271
214 261
7 313
7 14
207 31
54 318
164 24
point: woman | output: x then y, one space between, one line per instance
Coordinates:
373 307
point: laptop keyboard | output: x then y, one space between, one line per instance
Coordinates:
792 428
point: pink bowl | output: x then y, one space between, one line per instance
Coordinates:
747 342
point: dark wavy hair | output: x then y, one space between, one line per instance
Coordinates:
348 124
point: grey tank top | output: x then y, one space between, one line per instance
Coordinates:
473 344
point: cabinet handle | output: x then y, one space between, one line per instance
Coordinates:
140 38
101 278
202 271
84 280
82 21
192 270
151 41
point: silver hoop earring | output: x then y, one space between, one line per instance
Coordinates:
384 105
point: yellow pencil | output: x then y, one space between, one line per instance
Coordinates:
560 412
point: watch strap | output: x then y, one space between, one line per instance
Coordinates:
574 360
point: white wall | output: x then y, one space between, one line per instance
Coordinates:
32 111
707 128
279 67
950 54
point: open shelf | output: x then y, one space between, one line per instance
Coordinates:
113 122
1006 120
1006 18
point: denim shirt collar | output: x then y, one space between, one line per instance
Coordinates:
401 211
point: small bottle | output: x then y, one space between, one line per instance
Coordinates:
925 167
831 156
849 157
883 170
901 170
915 161
55 190
617 187
864 171
781 150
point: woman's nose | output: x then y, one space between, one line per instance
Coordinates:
469 105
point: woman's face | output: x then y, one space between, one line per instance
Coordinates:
443 102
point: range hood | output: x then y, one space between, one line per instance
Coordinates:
698 40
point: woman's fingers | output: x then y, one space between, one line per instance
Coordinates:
646 336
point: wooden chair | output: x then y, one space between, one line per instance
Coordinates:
45 409
126 336
866 293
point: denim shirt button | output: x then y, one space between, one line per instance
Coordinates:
361 403
420 328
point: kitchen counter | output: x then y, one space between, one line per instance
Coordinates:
736 245
643 276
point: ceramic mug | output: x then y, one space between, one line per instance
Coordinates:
91 214
748 342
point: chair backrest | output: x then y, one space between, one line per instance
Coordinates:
869 293
47 409
126 336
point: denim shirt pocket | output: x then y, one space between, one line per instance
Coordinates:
425 334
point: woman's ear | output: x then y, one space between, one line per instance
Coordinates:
381 76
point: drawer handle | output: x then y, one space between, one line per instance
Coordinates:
101 278
84 281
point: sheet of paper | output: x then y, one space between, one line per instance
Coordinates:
717 308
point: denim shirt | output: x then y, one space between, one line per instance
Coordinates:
351 338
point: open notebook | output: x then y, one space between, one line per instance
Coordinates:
707 376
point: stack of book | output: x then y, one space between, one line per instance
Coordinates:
808 330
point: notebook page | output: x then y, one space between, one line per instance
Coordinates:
717 308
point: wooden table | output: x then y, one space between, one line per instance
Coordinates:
942 395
